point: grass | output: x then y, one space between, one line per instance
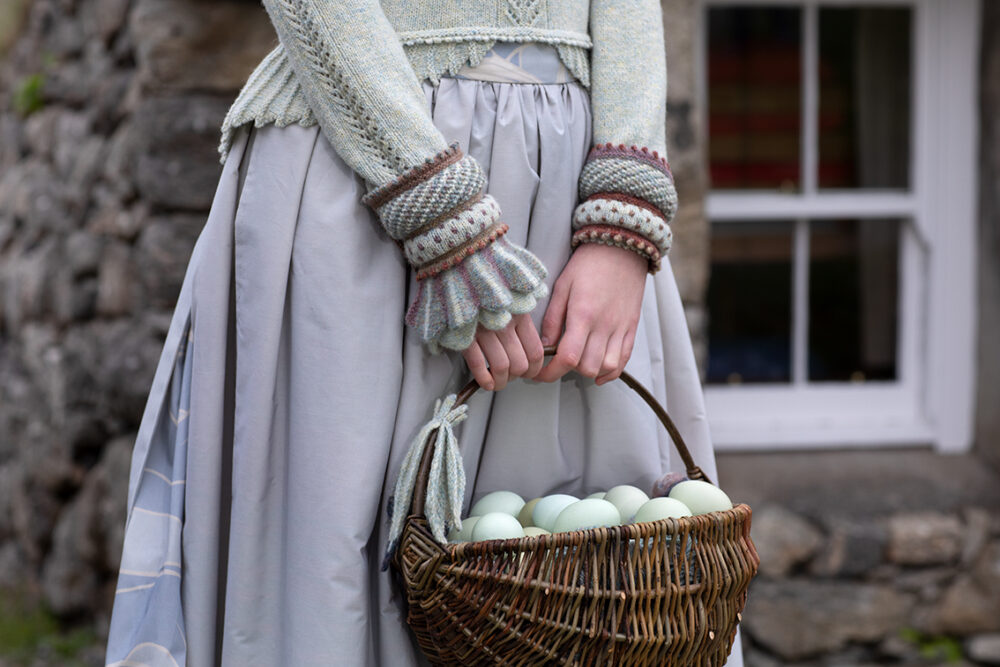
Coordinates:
27 95
933 647
28 630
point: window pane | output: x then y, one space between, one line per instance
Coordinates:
864 97
754 90
749 302
853 299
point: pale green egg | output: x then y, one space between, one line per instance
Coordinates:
535 531
524 516
627 499
496 526
587 513
661 508
465 534
597 494
507 502
548 508
701 497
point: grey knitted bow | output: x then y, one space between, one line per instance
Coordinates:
445 482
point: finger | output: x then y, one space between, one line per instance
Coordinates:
531 344
496 357
477 364
612 366
593 354
515 352
555 314
627 345
567 355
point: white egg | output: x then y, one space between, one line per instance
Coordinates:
587 513
465 534
627 499
524 516
496 526
661 508
507 502
534 531
597 494
701 497
548 509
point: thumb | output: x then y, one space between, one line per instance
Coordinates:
555 314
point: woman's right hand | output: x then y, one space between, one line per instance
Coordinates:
495 357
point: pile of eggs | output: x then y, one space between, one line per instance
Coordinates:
502 515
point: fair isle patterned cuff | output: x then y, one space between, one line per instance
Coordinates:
632 171
450 232
628 201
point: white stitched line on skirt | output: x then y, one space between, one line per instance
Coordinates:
174 517
164 477
140 573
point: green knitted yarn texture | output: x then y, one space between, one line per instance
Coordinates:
356 67
445 482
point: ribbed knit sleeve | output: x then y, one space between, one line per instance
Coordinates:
429 195
626 189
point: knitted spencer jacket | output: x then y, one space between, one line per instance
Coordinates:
355 67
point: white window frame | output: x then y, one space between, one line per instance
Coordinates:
932 400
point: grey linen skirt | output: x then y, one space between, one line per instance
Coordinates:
289 390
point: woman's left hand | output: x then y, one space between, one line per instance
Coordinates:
598 297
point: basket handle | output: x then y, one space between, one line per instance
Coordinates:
693 471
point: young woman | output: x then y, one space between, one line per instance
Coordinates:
412 192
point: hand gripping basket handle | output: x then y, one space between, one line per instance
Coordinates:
693 471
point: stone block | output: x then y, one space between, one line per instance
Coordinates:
40 131
73 300
117 288
28 283
113 220
984 649
927 582
783 539
187 45
163 251
10 139
101 19
71 129
971 604
799 618
924 538
976 534
178 164
119 166
854 548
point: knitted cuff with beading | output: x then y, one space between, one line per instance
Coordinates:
628 201
451 234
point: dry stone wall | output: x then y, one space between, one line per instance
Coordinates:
109 117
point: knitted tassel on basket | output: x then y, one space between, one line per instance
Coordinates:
445 482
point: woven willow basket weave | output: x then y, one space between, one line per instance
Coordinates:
667 592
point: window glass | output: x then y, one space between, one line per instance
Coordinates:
853 299
754 84
749 302
864 97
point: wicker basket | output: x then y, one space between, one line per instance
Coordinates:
667 592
